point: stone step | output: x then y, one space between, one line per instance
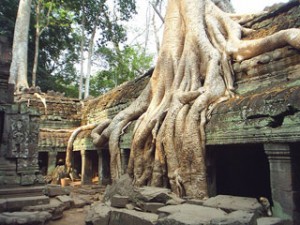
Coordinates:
16 204
13 192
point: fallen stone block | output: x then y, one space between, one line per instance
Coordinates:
175 200
67 201
132 217
230 203
195 201
154 194
122 186
187 214
24 218
236 218
99 213
53 190
151 207
119 201
15 204
271 221
105 215
55 208
80 202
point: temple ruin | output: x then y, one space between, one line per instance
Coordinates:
252 140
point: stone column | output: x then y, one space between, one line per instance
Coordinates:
51 161
100 166
86 167
284 186
124 160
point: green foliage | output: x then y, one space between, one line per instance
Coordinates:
60 42
8 13
119 67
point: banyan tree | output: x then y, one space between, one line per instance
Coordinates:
193 74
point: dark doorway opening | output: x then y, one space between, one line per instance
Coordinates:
94 160
77 162
60 158
242 170
43 162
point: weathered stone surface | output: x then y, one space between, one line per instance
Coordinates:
80 202
53 190
195 201
13 192
187 214
99 213
151 207
154 194
67 201
14 204
119 201
122 187
236 218
233 203
271 221
24 218
124 216
55 208
105 215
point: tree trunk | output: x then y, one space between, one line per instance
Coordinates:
89 62
18 68
82 52
192 75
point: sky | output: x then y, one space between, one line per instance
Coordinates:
243 6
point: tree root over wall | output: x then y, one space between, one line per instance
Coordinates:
192 75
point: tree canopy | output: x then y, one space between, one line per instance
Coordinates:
56 25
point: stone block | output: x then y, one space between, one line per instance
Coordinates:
80 202
236 218
66 200
14 204
125 216
175 200
24 218
119 201
154 194
234 203
53 190
188 214
195 201
55 208
271 221
13 192
100 213
151 207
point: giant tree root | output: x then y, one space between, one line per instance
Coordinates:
192 75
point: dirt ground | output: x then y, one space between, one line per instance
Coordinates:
71 217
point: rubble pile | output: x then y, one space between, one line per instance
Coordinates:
124 204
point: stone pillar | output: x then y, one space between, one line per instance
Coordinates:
284 186
100 166
51 161
124 160
86 167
